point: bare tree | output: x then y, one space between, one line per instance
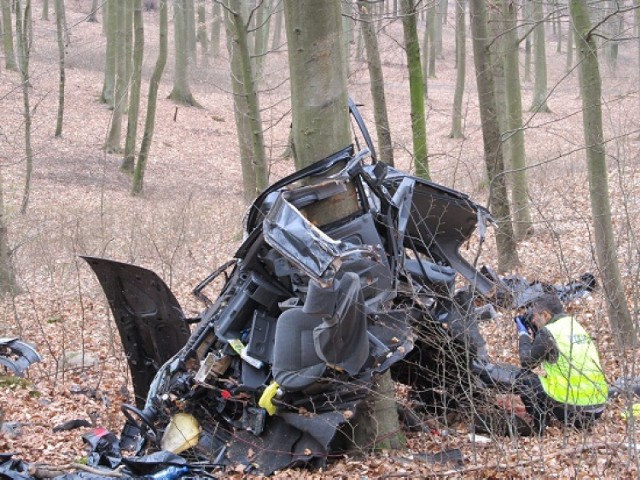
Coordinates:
540 69
114 137
23 21
59 5
622 326
149 126
134 97
7 37
416 88
376 81
181 92
498 198
461 70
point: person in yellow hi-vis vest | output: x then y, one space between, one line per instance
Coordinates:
573 387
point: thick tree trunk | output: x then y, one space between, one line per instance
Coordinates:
320 128
461 70
376 81
134 97
498 199
181 92
416 88
7 37
59 5
622 326
149 126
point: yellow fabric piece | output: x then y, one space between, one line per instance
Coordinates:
268 394
634 411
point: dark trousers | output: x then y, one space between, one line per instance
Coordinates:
540 406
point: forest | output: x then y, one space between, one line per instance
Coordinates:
142 132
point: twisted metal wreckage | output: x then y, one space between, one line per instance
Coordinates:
307 318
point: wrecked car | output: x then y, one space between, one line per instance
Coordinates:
311 311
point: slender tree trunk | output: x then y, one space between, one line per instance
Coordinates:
497 48
277 30
203 40
23 19
7 37
527 42
461 70
93 14
181 92
45 10
58 5
215 30
190 24
7 276
498 198
154 83
258 165
134 97
622 326
113 143
261 36
570 35
376 81
111 29
523 225
416 88
540 84
432 28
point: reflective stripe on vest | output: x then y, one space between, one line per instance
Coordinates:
576 378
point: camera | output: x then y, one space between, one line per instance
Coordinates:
527 320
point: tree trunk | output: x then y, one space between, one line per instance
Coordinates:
622 326
461 70
376 81
247 105
569 64
321 128
515 132
277 29
134 97
147 137
203 40
111 30
23 20
45 10
181 92
497 57
190 24
527 42
215 30
261 37
498 199
7 37
416 88
540 84
7 276
113 143
59 6
93 14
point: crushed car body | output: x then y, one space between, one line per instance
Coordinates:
309 315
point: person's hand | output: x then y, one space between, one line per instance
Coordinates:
522 330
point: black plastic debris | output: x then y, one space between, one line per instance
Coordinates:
12 468
105 448
17 355
72 425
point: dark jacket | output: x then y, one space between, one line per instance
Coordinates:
542 347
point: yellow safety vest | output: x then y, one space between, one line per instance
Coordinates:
576 378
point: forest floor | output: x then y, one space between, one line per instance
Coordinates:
189 221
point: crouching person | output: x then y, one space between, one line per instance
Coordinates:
573 388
